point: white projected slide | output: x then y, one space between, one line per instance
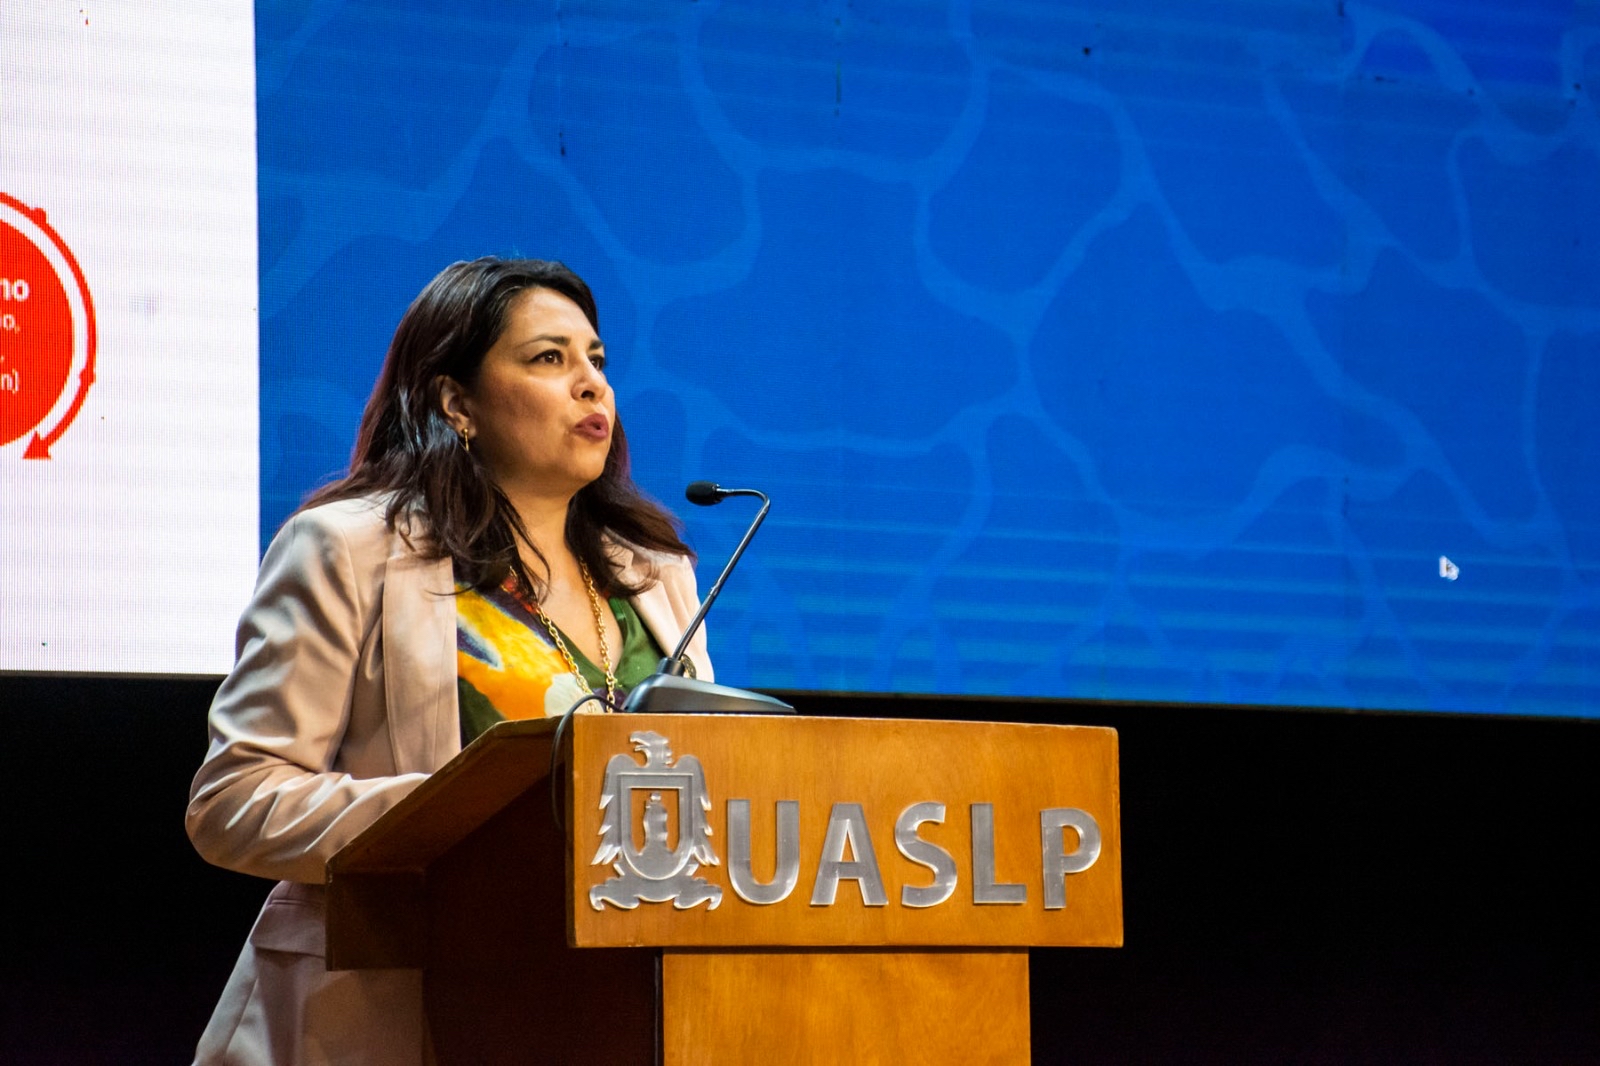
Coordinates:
128 334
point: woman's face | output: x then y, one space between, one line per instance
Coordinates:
540 415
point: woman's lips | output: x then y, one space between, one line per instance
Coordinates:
595 427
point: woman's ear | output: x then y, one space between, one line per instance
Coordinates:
453 404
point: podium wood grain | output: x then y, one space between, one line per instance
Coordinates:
933 1008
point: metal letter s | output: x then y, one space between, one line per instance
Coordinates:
924 853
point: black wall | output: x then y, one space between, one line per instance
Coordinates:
1299 886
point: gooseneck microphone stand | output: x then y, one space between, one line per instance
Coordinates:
670 689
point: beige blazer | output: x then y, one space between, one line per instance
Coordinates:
341 701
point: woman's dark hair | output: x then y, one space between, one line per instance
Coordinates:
406 449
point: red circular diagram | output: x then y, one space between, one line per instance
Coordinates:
47 335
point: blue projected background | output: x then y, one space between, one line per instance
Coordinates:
1153 351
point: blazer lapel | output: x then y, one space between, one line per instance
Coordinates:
656 613
653 605
419 653
666 606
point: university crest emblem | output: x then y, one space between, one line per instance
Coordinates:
656 871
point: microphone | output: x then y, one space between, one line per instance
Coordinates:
670 689
709 493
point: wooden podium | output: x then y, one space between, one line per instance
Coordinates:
738 889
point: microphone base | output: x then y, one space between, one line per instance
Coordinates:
666 694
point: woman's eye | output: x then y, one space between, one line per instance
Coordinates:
551 355
599 361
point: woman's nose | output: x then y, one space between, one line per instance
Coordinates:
590 383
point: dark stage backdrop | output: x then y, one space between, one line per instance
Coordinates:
1230 352
1300 887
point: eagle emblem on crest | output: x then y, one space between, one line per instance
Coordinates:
657 871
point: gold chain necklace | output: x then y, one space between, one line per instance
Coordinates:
513 586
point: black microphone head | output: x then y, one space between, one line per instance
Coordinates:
704 493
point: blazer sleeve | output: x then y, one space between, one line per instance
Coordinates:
270 798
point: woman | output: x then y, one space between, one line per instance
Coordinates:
488 556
